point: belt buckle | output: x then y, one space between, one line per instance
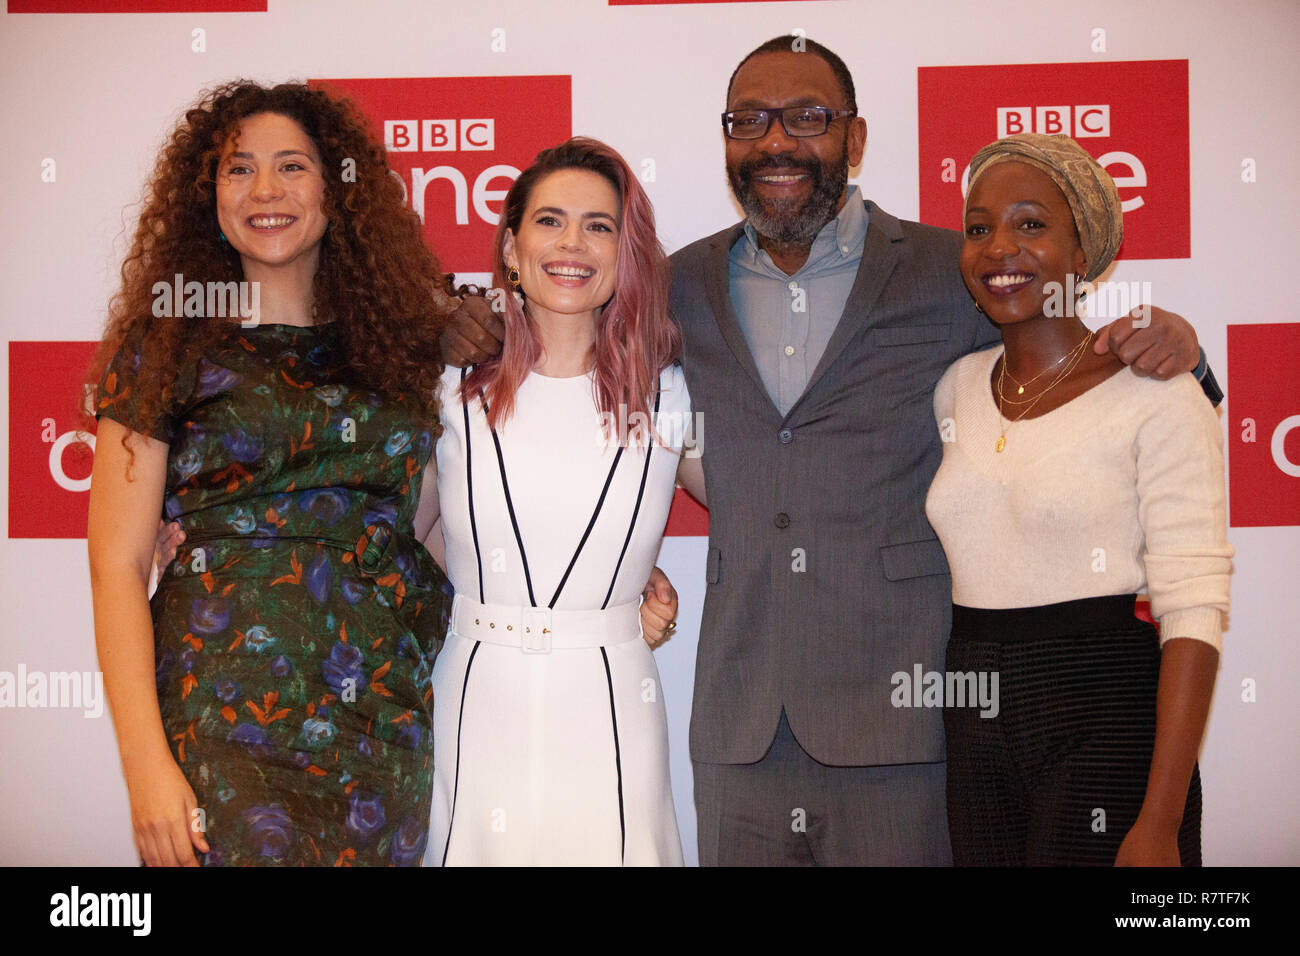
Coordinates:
536 638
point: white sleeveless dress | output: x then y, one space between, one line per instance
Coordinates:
550 736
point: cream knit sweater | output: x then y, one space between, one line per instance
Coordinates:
1119 490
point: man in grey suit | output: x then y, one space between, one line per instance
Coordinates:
815 332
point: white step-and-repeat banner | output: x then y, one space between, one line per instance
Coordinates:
1190 105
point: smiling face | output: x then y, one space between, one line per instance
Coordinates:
791 186
1020 235
270 195
566 245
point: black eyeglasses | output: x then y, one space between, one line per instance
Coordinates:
797 121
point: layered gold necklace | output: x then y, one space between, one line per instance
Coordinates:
1070 358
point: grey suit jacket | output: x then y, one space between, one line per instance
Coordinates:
824 576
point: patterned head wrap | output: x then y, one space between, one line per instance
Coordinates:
1088 189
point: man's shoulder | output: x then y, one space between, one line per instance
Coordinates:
701 249
929 258
937 236
918 233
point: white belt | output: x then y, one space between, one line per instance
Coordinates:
536 630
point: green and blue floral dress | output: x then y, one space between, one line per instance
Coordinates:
295 631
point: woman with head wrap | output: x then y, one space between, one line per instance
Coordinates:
1067 485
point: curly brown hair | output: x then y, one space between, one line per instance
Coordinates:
376 277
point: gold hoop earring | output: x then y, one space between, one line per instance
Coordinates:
513 277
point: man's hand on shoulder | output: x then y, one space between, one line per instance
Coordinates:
474 333
1152 342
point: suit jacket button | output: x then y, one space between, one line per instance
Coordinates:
786 435
782 520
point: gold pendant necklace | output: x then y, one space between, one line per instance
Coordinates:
1075 355
1020 389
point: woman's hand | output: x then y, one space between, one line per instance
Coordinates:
658 609
170 538
1149 845
473 334
164 814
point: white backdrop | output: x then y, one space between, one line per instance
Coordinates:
100 92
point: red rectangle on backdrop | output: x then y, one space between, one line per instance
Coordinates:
49 466
687 517
1130 116
458 143
1263 393
137 6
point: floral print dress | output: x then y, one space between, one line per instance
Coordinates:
296 629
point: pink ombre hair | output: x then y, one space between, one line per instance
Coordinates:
636 338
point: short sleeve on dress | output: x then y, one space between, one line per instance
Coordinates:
116 397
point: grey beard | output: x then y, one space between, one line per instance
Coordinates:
781 220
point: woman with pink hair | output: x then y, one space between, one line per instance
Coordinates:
554 473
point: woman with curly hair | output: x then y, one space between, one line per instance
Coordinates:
291 642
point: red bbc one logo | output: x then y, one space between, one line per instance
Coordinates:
49 457
1081 122
137 6
457 144
1131 116
438 135
1263 392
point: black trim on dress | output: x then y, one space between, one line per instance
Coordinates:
618 761
460 723
469 485
636 510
